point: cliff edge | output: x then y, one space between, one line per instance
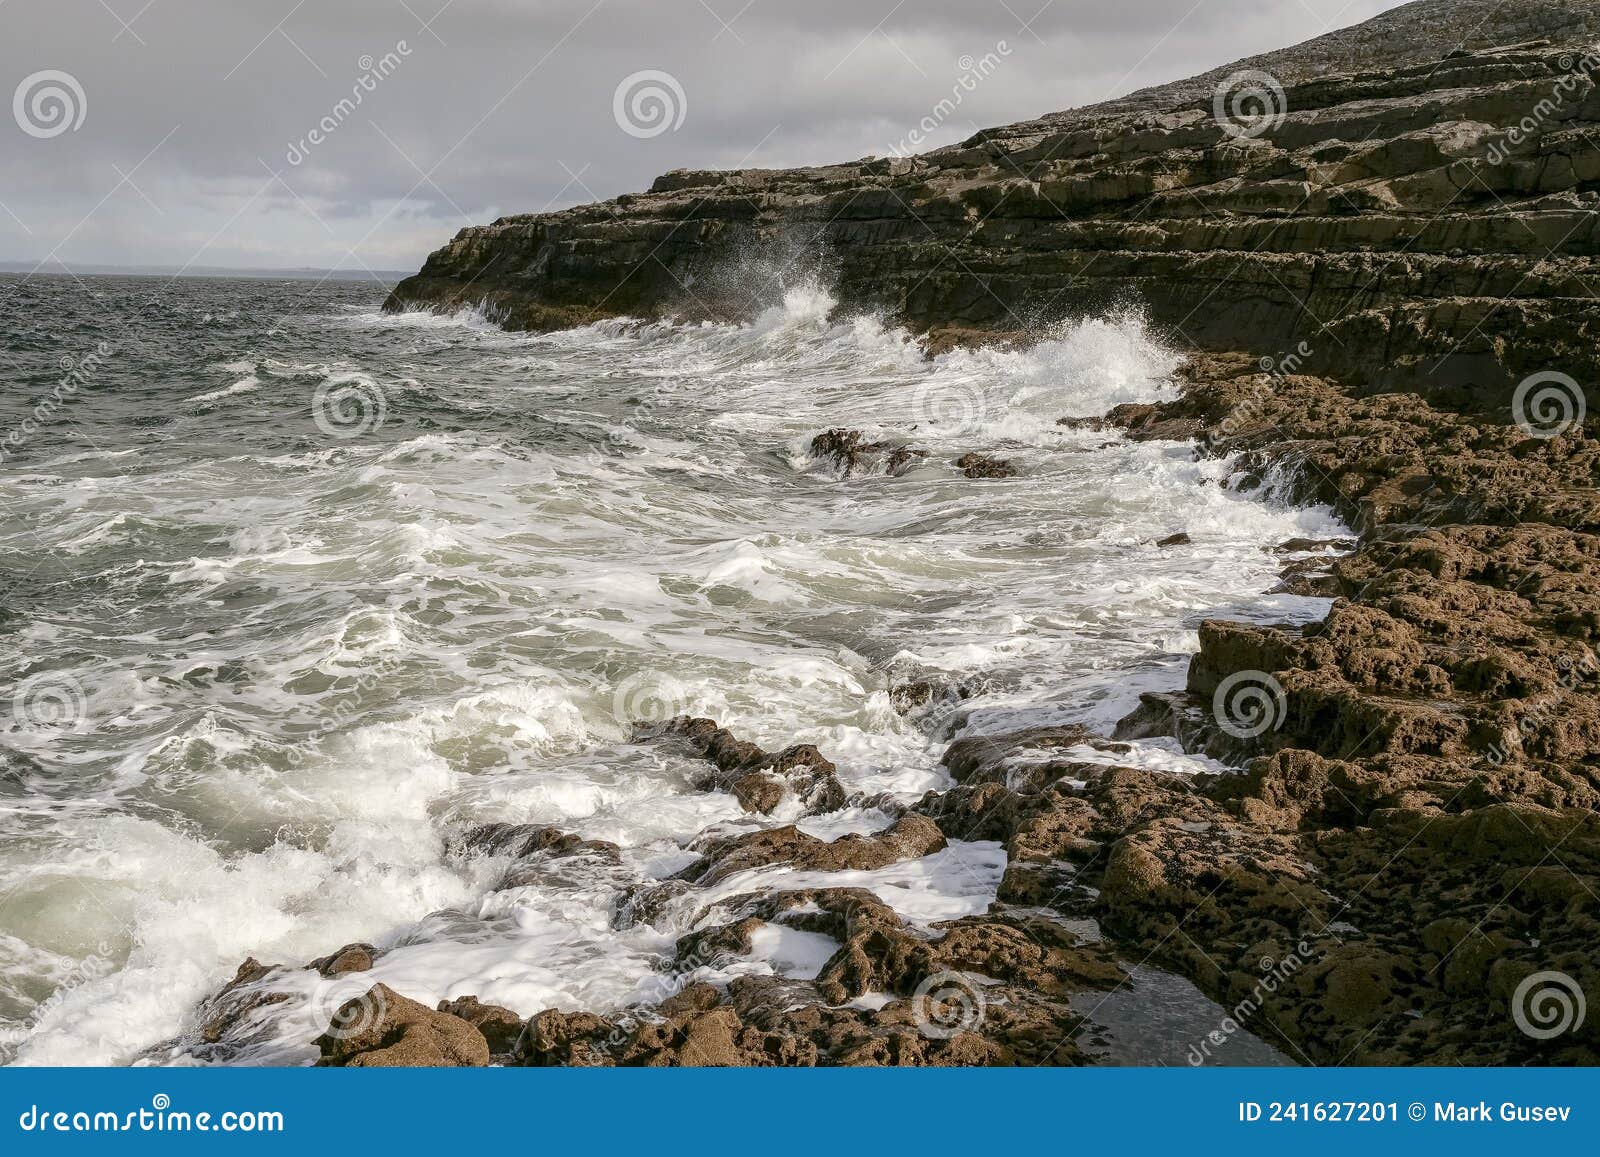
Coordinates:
1410 203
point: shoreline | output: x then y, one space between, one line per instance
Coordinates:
1373 886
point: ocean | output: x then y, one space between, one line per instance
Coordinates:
293 592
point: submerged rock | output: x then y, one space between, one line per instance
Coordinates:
853 455
760 780
984 466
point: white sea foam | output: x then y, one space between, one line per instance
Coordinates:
310 663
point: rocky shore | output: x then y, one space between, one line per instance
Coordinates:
1404 866
1407 856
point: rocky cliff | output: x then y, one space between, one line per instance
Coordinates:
1407 870
1412 203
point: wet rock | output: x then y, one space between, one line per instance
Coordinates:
976 465
228 1012
953 1019
930 693
1179 539
1167 714
1323 545
760 780
500 1026
646 902
1311 577
524 841
714 947
995 758
937 704
910 838
1148 422
350 958
853 455
382 1029
542 854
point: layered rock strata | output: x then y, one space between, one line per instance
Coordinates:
1411 203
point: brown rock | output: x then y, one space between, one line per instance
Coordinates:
350 958
500 1026
382 1029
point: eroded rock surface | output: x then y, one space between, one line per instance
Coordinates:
1423 765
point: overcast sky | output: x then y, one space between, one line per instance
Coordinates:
178 131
